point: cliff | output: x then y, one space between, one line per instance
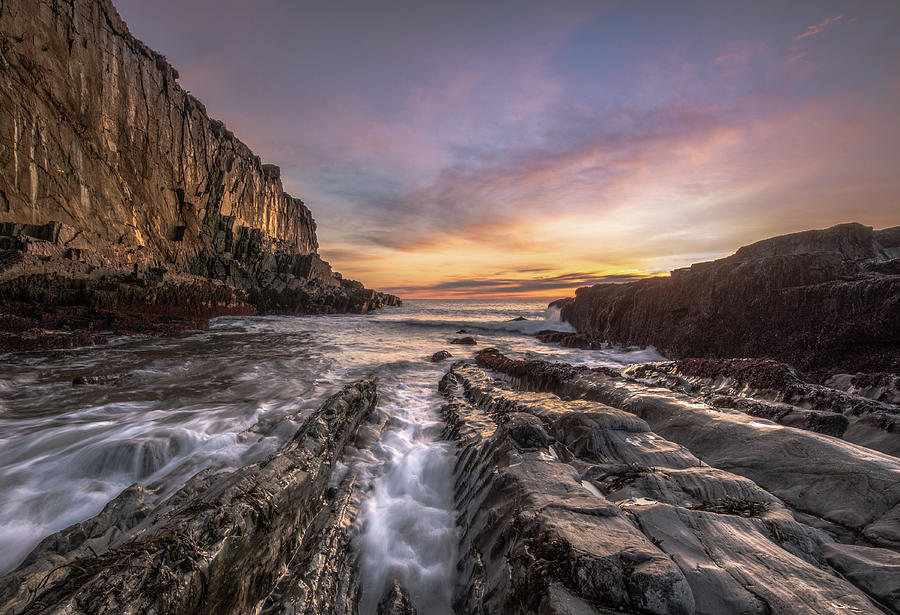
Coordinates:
110 170
824 300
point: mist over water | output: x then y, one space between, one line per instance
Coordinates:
179 405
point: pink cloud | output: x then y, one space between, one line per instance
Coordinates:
819 27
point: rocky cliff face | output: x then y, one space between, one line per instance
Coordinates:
820 300
106 163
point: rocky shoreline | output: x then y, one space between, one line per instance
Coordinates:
754 516
124 208
578 490
272 537
757 472
824 301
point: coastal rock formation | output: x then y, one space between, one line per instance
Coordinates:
603 494
119 195
465 341
824 301
272 537
767 389
396 602
815 474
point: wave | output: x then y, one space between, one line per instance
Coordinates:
523 327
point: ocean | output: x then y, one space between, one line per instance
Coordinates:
169 407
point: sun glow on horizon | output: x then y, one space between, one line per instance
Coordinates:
467 150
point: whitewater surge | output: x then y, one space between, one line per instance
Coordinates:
168 408
408 525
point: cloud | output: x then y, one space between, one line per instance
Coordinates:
819 27
454 146
584 165
544 285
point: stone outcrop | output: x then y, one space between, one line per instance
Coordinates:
114 182
823 301
272 537
603 494
774 391
465 341
396 602
815 474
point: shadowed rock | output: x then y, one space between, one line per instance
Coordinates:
736 546
440 355
465 341
223 543
825 301
879 386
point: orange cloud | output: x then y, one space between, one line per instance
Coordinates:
819 27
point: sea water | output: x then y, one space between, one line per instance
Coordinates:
175 406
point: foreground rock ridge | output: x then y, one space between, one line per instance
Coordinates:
823 301
123 205
588 491
272 537
654 489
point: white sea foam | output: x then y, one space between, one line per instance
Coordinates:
408 528
184 402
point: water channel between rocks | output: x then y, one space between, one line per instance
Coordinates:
172 407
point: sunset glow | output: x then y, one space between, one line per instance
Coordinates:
526 149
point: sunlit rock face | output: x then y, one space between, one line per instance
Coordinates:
99 137
111 171
824 300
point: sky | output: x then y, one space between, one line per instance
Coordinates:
522 149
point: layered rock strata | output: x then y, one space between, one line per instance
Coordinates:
272 537
847 489
823 301
116 189
582 492
767 389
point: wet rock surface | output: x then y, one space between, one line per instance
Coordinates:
825 301
848 489
774 391
272 537
396 602
583 491
440 355
465 341
126 208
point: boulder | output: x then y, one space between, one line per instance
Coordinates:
466 341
